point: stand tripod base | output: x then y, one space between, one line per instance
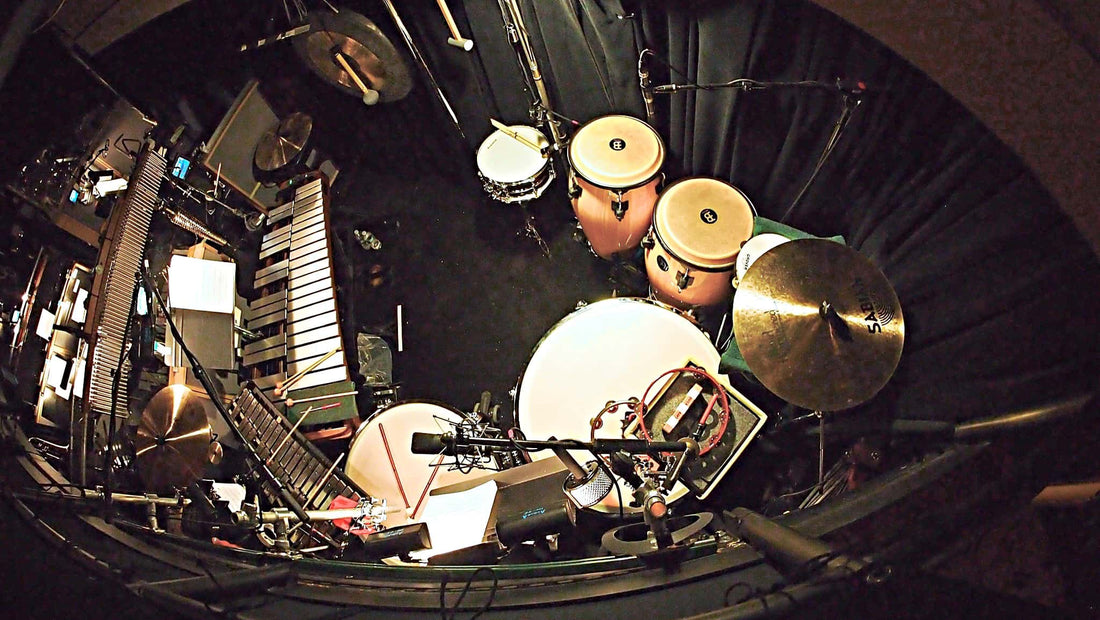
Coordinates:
636 539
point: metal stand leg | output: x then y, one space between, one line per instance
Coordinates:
820 447
530 230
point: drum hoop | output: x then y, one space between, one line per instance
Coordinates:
415 401
532 182
644 300
664 151
712 269
547 161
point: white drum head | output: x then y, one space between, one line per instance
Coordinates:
607 351
504 159
702 221
617 152
754 248
370 456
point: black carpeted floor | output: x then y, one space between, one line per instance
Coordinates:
477 289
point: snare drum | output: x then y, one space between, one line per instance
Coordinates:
512 171
753 249
380 457
699 225
615 163
610 350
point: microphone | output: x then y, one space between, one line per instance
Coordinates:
434 443
645 85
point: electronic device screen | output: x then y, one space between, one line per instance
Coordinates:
180 168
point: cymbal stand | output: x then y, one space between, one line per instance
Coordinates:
820 446
542 112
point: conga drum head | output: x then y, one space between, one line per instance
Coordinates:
616 152
610 350
703 222
754 248
504 159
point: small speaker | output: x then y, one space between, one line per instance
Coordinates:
393 541
536 522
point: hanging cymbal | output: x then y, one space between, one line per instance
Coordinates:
818 324
283 144
173 439
364 48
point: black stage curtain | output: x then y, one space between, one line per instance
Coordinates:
998 289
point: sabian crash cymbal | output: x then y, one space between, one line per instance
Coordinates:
173 439
364 46
282 144
818 324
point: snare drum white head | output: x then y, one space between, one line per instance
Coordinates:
504 159
609 350
372 460
754 248
616 152
703 221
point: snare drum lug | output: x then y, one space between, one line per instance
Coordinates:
683 279
647 242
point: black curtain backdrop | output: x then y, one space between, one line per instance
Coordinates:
998 289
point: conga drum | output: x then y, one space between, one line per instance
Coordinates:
615 163
699 225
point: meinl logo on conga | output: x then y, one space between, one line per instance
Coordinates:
617 144
709 216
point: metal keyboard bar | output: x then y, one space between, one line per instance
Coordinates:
121 254
297 465
297 312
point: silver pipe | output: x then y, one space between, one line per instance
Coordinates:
1029 417
526 53
423 64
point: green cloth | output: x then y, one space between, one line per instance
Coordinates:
732 360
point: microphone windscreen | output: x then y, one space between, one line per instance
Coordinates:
427 443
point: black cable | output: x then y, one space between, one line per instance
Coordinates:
462 595
752 592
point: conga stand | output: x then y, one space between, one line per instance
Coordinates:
530 230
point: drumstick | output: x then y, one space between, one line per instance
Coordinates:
290 402
288 435
324 479
393 466
435 470
512 133
283 386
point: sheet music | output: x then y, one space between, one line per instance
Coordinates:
457 520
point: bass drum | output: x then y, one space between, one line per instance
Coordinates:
380 457
699 225
512 171
615 162
610 350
